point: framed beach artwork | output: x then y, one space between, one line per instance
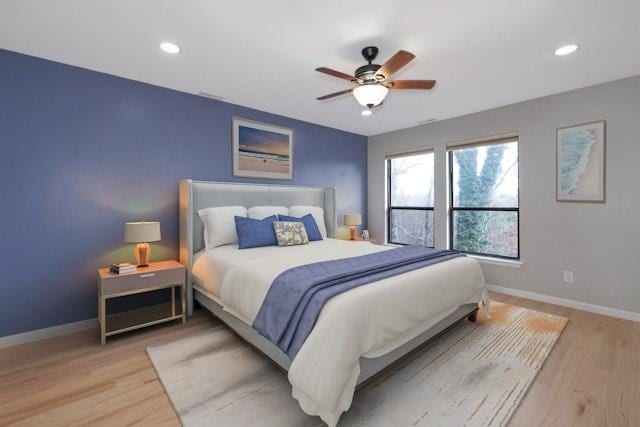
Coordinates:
261 150
580 163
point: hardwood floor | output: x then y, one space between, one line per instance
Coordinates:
72 380
592 376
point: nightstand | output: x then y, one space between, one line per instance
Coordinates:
158 275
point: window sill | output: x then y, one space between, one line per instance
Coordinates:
513 263
498 261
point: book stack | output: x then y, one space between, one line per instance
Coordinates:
122 268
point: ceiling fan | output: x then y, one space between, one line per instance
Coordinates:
372 80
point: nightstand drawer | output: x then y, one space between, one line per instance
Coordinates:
142 280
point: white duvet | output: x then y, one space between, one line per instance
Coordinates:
368 321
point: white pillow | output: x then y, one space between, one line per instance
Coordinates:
316 212
261 212
220 225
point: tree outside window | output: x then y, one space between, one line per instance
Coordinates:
484 213
410 199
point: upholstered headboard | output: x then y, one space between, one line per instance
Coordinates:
196 195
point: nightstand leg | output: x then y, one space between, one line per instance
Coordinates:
173 301
103 320
183 300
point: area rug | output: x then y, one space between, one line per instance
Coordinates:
475 374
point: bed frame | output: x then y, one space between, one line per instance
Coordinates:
195 195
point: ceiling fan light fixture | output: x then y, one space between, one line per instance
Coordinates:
366 112
370 95
372 80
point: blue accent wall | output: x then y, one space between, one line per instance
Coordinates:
83 152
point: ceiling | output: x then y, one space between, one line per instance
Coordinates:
483 54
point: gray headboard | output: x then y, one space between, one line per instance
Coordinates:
196 195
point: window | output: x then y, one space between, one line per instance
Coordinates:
410 199
483 199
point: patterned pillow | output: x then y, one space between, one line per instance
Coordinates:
290 233
313 232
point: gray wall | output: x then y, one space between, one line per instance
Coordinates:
599 242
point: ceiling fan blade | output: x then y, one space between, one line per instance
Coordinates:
394 63
331 95
411 84
335 73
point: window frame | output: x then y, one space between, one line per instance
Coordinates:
452 209
391 208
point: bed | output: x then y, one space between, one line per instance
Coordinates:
358 333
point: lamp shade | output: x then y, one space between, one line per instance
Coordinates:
370 95
352 219
141 232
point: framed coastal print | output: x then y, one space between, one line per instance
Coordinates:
261 150
580 163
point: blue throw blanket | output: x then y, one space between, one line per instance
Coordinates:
296 296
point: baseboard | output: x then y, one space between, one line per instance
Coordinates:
53 331
67 328
593 308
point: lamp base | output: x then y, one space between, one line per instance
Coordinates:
352 233
143 253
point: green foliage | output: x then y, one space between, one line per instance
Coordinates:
475 190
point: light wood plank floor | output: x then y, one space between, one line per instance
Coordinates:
592 376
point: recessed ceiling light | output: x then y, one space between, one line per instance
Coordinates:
566 50
169 47
366 112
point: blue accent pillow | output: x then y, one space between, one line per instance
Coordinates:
313 232
253 233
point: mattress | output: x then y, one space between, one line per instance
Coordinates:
368 321
211 267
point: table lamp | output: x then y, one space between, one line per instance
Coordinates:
142 233
352 220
